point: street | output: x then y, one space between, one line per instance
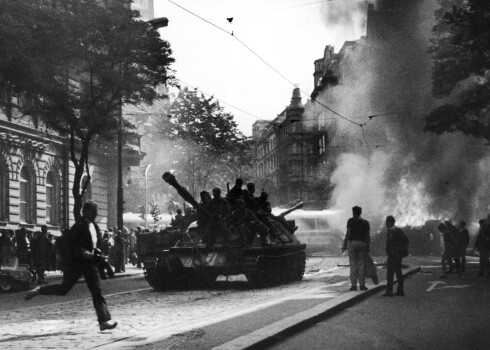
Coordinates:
67 322
435 314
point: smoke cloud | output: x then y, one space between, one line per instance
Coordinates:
391 166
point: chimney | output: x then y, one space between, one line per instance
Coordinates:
296 99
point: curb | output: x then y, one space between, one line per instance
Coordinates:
269 335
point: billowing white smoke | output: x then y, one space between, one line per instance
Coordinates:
358 180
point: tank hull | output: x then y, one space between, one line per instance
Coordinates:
181 267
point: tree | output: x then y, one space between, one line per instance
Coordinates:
461 54
77 63
208 149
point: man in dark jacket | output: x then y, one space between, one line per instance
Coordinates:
447 245
396 249
40 247
84 261
357 240
482 244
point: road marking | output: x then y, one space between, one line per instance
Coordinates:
434 284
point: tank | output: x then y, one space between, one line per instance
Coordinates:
265 256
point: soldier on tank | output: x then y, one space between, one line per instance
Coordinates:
264 203
235 193
250 199
220 210
244 218
179 222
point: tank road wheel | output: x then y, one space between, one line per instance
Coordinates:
155 278
160 276
6 283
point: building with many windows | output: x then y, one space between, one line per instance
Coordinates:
36 173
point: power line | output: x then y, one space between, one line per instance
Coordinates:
265 62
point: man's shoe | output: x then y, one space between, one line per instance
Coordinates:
400 294
353 288
388 294
32 293
107 325
363 288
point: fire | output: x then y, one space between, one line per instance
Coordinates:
412 204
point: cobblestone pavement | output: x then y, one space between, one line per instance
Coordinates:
139 314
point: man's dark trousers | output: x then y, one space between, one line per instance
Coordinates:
394 266
71 276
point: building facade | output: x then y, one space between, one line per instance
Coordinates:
36 172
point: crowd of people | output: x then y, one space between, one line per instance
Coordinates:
455 241
36 249
42 251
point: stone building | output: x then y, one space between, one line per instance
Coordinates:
36 173
285 154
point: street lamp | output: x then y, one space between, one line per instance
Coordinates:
156 23
146 193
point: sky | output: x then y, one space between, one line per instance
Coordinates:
273 47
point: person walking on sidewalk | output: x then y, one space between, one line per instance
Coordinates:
82 241
357 240
396 249
482 244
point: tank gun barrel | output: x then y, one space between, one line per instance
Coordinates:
172 181
297 206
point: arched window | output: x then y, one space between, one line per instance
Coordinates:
4 191
87 197
52 198
27 195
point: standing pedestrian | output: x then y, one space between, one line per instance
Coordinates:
482 244
40 253
447 248
83 261
396 249
22 248
462 243
6 248
357 240
119 252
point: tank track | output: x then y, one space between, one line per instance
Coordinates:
272 270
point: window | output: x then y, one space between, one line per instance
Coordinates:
87 197
321 145
52 198
4 191
27 195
